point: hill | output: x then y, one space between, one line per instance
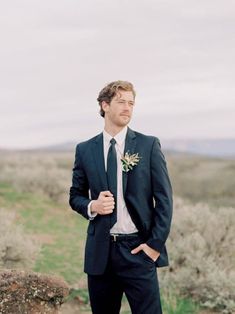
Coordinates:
207 147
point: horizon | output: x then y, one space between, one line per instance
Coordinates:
74 142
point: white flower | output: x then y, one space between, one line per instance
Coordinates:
129 161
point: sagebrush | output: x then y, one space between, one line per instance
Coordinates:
38 173
17 249
202 255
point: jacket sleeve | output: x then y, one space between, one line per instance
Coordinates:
79 191
162 193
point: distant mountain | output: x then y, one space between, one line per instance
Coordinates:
63 147
208 147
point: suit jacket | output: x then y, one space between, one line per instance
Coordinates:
147 192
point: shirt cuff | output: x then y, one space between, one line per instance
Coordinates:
90 214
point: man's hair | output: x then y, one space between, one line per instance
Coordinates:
111 90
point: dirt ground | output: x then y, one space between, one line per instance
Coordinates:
73 307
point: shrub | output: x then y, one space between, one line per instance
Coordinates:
202 178
39 173
202 255
17 250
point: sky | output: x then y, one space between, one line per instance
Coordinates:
57 55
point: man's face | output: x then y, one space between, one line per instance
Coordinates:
119 111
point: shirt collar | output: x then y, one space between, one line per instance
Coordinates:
119 137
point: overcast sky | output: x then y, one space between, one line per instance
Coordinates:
57 55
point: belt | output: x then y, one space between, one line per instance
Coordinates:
117 237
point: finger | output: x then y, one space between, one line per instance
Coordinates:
106 212
108 199
107 204
137 249
108 208
106 193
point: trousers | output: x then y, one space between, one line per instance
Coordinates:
132 274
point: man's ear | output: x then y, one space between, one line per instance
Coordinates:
105 106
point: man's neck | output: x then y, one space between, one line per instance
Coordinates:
113 130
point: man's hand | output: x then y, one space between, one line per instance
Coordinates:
104 205
153 254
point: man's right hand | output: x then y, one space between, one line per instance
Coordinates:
104 205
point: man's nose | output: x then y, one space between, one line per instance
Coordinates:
127 106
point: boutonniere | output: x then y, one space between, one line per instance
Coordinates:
129 161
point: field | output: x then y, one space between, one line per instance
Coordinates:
35 185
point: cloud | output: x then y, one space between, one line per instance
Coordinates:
56 56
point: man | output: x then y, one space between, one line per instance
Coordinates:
121 184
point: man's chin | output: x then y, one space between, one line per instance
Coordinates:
125 120
124 123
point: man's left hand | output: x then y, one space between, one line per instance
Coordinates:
153 254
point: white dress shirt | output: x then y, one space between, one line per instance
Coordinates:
124 222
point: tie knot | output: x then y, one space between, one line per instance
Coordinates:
113 141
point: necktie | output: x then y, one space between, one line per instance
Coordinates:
112 178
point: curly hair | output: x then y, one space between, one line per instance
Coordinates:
111 89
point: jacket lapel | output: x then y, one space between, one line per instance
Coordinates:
130 144
98 155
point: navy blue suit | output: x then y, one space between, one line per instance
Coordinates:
147 192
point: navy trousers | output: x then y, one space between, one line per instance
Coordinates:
134 275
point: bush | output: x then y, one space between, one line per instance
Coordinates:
202 255
45 174
17 250
211 180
